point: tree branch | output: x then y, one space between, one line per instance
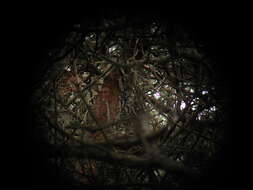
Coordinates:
128 160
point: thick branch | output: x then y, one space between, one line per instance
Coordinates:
126 143
129 160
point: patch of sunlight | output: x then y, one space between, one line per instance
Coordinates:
204 92
67 68
113 48
157 95
183 105
213 108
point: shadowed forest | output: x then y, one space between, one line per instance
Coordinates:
129 101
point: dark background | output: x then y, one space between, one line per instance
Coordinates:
44 28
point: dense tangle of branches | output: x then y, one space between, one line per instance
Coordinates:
130 102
